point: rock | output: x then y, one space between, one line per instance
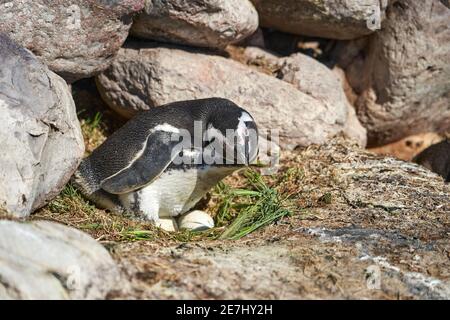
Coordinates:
401 74
446 3
347 19
203 23
353 128
256 58
407 148
275 104
316 80
76 39
348 90
254 55
312 78
46 260
40 134
254 40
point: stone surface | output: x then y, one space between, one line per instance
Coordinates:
401 74
76 39
256 40
316 80
382 234
275 104
45 260
204 23
254 54
344 19
312 78
40 134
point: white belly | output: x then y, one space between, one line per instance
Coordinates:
174 192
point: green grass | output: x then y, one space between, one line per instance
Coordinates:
250 209
93 123
138 235
66 200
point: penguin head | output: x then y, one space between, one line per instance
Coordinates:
234 131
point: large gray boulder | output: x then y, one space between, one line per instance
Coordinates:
46 260
203 23
312 78
40 135
344 19
315 79
402 73
276 105
77 38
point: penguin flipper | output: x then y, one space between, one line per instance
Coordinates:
157 154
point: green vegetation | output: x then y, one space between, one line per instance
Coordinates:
93 123
247 210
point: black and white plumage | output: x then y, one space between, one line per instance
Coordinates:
436 158
138 169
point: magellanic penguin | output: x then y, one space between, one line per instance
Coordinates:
164 160
436 158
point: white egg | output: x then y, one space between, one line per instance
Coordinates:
196 220
168 224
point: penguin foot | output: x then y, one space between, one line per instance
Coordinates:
167 224
196 220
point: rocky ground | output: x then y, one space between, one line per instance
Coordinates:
335 220
363 227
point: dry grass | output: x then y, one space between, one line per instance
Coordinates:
262 65
93 132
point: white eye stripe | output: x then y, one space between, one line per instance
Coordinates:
166 128
245 117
